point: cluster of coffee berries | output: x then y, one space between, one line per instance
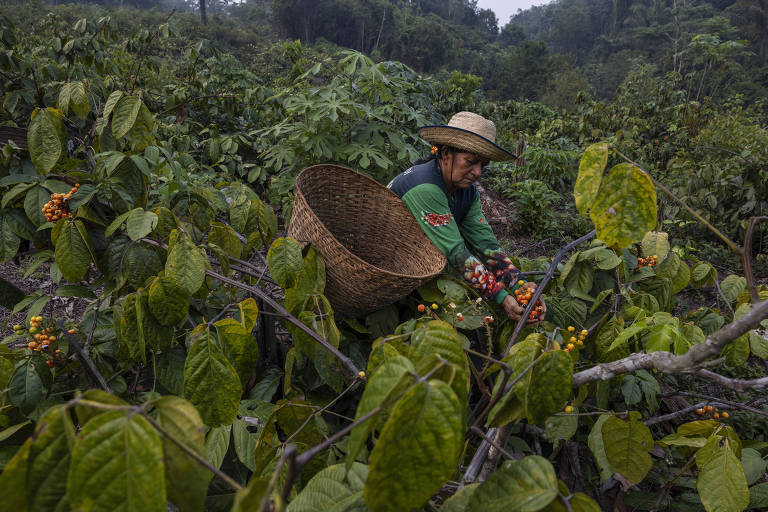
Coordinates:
650 261
576 340
58 207
40 337
708 409
523 296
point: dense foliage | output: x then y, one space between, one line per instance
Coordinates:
148 175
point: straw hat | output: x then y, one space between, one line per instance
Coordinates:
469 132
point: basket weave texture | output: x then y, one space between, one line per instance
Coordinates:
374 249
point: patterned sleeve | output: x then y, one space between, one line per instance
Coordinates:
479 235
430 207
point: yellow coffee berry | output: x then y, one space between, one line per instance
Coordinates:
571 328
568 409
434 306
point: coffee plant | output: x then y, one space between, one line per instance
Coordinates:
209 371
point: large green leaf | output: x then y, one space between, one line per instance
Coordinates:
9 242
526 485
625 207
758 345
334 489
550 385
49 457
596 446
418 449
35 478
216 444
732 286
240 347
656 243
721 483
168 301
30 383
187 481
379 386
124 115
71 254
225 237
591 168
211 383
46 138
627 444
285 261
186 264
34 200
130 342
117 464
152 334
140 223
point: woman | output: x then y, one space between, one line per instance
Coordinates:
442 196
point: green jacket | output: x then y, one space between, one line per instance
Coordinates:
455 224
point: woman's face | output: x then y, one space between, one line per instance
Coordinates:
461 170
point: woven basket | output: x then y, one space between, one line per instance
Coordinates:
375 251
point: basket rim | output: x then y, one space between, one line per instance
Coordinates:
354 256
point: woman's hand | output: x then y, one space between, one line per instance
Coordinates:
515 311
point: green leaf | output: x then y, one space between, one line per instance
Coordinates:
153 335
758 496
13 480
656 243
49 458
124 115
591 168
30 383
71 253
732 286
550 386
737 352
418 449
703 274
112 100
240 347
186 264
579 280
561 426
46 138
249 499
130 342
216 444
627 444
34 201
15 192
753 464
117 464
526 485
459 501
187 481
596 446
758 345
226 238
9 242
249 313
78 99
334 489
211 383
681 278
633 330
285 261
168 301
379 386
140 223
625 207
721 483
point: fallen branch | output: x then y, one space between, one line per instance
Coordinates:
669 363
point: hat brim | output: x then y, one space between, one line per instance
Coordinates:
466 140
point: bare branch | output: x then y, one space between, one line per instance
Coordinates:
667 362
734 384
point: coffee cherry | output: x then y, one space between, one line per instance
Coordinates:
708 408
571 328
725 415
568 409
716 415
360 374
421 308
434 306
699 411
49 363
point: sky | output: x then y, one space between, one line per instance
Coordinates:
506 8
